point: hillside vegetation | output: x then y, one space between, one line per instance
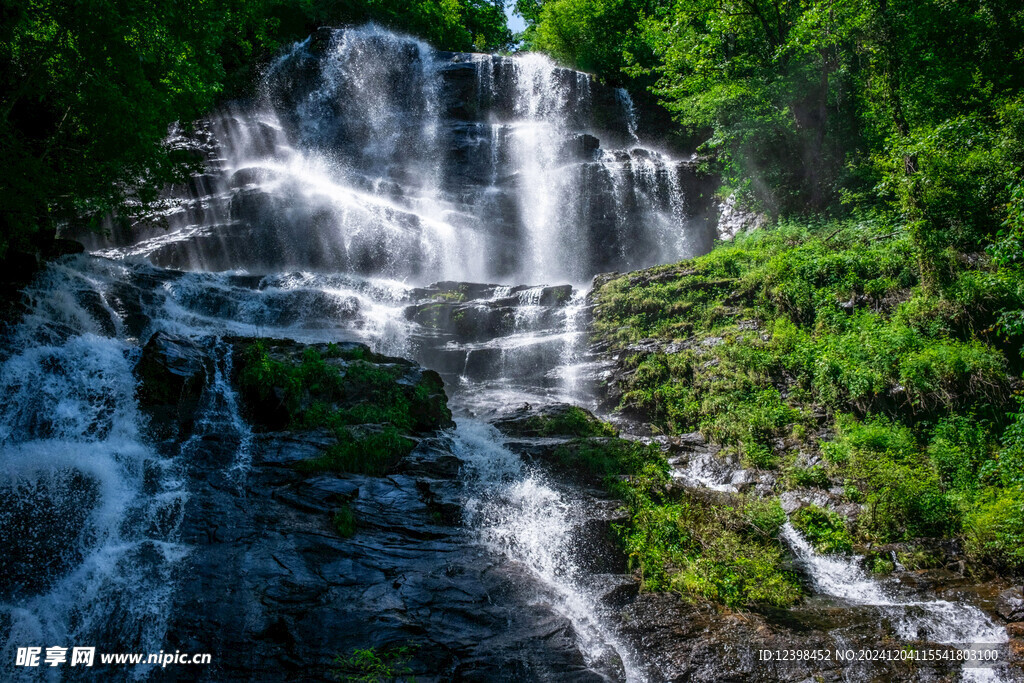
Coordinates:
866 342
818 352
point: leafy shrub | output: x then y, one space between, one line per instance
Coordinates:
765 515
371 665
995 527
608 457
574 421
734 572
807 477
904 496
825 530
728 553
959 447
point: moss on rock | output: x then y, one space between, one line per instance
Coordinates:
555 420
373 404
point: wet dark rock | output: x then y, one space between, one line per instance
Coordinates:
42 529
271 585
172 373
1010 604
681 641
582 147
555 296
615 590
595 543
275 403
465 322
60 246
19 266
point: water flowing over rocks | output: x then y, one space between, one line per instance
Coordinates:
371 153
229 428
270 578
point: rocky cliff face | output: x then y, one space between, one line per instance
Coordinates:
372 153
292 565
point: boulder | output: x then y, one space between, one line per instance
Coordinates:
60 246
172 372
555 296
557 419
1010 604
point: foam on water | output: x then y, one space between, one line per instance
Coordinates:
936 621
520 515
90 510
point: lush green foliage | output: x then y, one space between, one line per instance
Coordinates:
722 548
372 452
804 105
371 665
825 529
826 339
349 391
726 551
606 459
572 421
90 88
995 527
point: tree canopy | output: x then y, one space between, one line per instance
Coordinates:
826 105
90 87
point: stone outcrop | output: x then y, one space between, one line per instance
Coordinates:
1010 604
275 581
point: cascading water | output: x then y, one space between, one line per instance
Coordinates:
371 153
528 519
934 621
368 167
89 508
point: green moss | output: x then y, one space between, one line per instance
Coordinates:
449 296
607 458
825 530
340 388
807 477
572 421
373 665
372 453
722 550
344 522
800 327
995 528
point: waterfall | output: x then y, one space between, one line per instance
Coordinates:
362 195
89 509
519 514
371 153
